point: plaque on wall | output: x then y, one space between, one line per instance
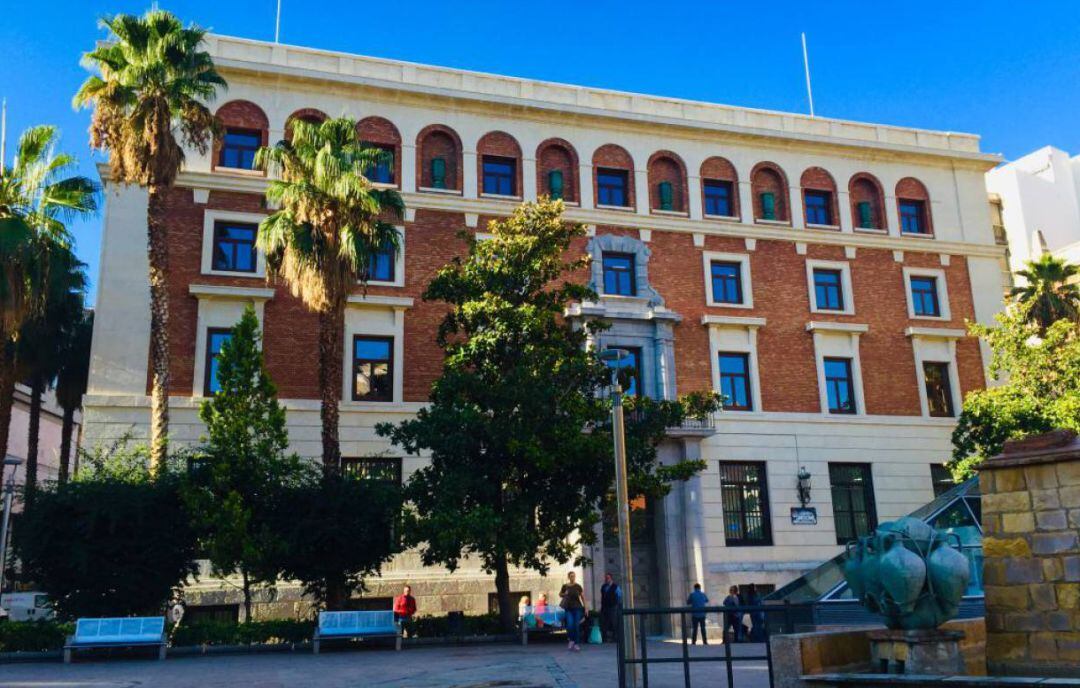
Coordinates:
803 516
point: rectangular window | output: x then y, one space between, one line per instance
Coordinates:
839 385
913 217
941 478
238 148
629 370
234 247
735 381
611 187
499 174
718 196
853 500
924 297
620 278
373 368
215 338
381 265
376 468
726 281
818 207
382 172
828 289
939 401
745 495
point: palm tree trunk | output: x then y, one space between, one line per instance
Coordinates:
158 249
7 390
65 442
37 388
330 352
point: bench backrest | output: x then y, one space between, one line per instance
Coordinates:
550 617
136 629
356 623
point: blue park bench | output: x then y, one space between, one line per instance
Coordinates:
543 622
349 625
137 631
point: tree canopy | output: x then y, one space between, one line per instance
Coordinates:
1050 290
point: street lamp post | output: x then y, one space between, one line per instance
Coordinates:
622 499
9 492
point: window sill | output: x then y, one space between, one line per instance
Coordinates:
255 274
670 213
447 192
501 197
831 228
871 230
239 171
384 185
918 235
827 311
931 318
619 208
772 223
723 218
744 306
382 283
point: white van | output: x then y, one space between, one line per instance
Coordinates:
25 606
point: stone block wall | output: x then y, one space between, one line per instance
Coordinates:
1031 572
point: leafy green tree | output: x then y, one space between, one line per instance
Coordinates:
243 460
149 96
1038 369
331 221
1051 290
518 434
71 383
38 194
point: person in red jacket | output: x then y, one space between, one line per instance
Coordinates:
404 609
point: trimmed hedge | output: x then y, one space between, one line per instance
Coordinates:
33 636
252 633
440 626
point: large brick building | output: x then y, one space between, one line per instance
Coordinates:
817 271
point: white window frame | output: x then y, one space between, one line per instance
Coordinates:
399 264
212 217
377 316
942 293
221 306
846 291
827 336
922 339
707 258
744 342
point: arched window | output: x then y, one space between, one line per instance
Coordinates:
867 202
719 188
819 198
613 177
913 206
309 115
245 129
667 182
380 133
769 188
438 159
557 170
498 161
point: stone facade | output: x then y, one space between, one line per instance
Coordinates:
1031 521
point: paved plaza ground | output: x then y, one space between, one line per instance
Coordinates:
540 665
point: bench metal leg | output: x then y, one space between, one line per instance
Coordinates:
524 635
315 646
67 655
161 654
397 642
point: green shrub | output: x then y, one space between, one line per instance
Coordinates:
255 632
33 636
440 626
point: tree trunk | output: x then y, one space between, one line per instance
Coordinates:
335 594
247 597
37 388
158 249
507 612
65 443
330 352
7 390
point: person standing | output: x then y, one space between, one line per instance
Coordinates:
405 609
610 602
697 601
573 603
757 617
733 619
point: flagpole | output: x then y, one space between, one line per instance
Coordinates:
277 23
3 134
806 67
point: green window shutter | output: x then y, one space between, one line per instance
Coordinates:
555 185
438 173
666 195
866 215
768 206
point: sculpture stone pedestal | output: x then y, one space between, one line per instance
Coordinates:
917 652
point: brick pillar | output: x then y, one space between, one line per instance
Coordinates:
1031 572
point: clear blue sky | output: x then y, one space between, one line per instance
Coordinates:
1007 70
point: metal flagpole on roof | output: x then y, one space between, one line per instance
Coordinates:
277 23
806 66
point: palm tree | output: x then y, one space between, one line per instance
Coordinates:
330 223
1051 290
71 383
42 340
37 196
148 99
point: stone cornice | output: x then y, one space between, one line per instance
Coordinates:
848 328
215 291
938 332
732 321
374 301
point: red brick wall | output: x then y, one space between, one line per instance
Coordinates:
437 141
242 114
785 348
721 169
503 145
615 157
383 132
817 179
557 154
910 188
665 166
866 187
766 176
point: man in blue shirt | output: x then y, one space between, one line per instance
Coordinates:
610 601
698 601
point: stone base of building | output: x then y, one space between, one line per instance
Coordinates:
916 652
